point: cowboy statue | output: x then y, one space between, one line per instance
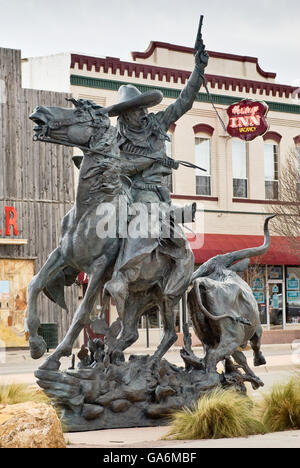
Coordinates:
142 140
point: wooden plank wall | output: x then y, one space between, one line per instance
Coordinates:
35 178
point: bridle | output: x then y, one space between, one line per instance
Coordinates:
91 116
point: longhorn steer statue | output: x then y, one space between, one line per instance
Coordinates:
224 311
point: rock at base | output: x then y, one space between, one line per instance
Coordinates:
30 425
137 393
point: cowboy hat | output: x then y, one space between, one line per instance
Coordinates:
130 98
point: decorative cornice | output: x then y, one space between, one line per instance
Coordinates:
155 73
113 85
162 45
138 70
189 50
297 140
272 136
203 128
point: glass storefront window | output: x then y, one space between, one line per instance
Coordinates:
275 272
276 295
256 278
276 304
153 319
293 295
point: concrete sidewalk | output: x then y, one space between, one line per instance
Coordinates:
19 367
150 437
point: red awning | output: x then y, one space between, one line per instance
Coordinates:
279 253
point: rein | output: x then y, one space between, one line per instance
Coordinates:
86 148
55 124
65 143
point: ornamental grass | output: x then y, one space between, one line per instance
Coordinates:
280 409
220 414
11 394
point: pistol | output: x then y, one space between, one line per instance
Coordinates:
199 41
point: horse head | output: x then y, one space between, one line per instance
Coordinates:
86 126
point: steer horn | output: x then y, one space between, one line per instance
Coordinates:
227 260
230 258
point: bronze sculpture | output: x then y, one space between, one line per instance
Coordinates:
136 149
124 169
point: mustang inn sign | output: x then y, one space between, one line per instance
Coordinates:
247 119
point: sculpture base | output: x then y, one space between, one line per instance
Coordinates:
136 393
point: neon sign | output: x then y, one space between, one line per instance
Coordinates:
247 119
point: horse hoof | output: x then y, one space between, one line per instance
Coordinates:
256 383
259 361
38 347
50 364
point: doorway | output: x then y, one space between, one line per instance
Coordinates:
276 303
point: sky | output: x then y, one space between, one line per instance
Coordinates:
267 29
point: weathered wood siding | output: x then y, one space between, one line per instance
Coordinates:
35 178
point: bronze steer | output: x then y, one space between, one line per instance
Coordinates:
223 309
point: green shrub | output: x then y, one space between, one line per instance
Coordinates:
220 414
12 394
281 407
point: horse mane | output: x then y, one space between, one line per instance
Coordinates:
105 175
105 169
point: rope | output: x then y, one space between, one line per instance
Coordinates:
212 103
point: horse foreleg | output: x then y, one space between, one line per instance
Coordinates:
170 335
53 264
81 317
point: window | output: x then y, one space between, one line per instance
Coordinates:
271 171
293 294
169 151
202 159
298 171
240 169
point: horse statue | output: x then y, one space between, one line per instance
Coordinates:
101 181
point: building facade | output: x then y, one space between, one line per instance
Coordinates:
242 179
36 190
